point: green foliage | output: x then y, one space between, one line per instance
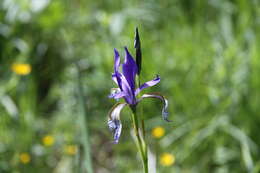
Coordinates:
206 53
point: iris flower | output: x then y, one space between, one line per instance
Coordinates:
127 90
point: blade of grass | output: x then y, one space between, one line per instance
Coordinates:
83 125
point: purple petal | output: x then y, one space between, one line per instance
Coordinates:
116 61
129 96
116 66
117 78
148 84
114 123
124 86
125 81
129 70
116 93
114 78
119 95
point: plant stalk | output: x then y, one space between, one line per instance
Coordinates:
141 144
142 117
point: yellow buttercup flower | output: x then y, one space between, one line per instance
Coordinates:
48 140
21 69
167 159
158 132
25 158
70 149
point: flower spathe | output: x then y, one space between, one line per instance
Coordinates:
125 81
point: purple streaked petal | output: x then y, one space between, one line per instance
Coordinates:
148 84
116 61
116 127
129 96
125 80
119 95
114 123
162 98
129 69
117 78
116 93
114 78
124 86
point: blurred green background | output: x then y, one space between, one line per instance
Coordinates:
206 52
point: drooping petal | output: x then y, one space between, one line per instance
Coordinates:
114 122
162 98
148 84
129 69
116 61
116 127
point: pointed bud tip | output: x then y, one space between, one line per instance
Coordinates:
136 30
137 39
138 52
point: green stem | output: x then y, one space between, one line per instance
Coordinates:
84 127
140 141
142 119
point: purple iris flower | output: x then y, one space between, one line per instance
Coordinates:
125 81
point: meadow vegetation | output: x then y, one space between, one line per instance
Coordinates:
206 53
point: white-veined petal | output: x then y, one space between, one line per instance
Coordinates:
114 122
163 99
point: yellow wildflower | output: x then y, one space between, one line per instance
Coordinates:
167 159
158 132
70 149
21 69
48 140
25 158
